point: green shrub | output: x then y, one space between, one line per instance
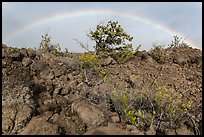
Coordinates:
152 106
92 63
107 37
89 60
112 40
47 47
171 105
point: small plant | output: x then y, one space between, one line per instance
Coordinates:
171 106
178 41
124 98
91 62
47 47
124 54
132 118
156 104
103 72
86 47
121 101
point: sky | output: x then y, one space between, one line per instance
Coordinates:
150 23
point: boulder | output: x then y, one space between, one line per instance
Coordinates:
58 70
37 66
151 131
39 126
90 114
27 61
47 74
68 87
23 116
184 131
134 79
134 130
115 117
31 53
170 132
109 130
109 61
7 125
71 125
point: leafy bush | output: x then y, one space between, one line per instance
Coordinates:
47 47
113 41
108 36
91 62
153 106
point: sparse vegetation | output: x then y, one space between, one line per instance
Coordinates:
92 63
89 60
47 47
156 104
58 82
178 41
158 54
142 108
123 55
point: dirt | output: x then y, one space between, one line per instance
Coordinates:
42 94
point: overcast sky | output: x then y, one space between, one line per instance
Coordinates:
23 23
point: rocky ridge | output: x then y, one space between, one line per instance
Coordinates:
43 95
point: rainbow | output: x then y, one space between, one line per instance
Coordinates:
91 12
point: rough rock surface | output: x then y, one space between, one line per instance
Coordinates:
90 114
45 95
39 126
108 131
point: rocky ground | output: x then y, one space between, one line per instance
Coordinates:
42 95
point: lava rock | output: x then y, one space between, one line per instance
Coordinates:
39 126
109 130
90 114
184 131
27 61
47 74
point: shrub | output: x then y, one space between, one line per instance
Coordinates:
178 41
91 62
47 47
107 37
152 106
113 41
